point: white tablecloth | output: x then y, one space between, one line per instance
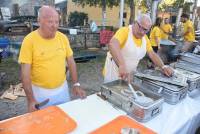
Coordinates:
93 112
90 113
182 118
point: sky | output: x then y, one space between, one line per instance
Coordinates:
198 1
56 1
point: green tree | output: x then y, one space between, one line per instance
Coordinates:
99 3
77 18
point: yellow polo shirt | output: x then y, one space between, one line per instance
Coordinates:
167 28
155 32
47 58
122 35
190 36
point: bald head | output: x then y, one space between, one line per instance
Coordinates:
46 11
48 20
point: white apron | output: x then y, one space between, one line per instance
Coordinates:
131 55
56 96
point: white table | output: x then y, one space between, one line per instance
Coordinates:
90 113
182 118
93 112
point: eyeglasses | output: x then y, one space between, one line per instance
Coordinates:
142 28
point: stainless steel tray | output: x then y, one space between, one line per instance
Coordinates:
114 93
187 66
193 79
190 57
159 76
172 94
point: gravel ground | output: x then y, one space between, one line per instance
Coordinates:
89 74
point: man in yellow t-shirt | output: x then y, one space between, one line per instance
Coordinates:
188 33
166 29
128 46
43 57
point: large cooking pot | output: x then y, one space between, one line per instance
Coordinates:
167 46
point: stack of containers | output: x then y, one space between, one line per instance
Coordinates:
189 65
173 89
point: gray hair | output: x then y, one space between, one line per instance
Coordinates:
143 17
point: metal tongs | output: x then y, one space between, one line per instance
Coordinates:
141 98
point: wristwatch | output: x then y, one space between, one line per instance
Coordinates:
164 66
77 84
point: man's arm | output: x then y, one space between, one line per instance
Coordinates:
114 48
157 61
189 29
26 81
73 72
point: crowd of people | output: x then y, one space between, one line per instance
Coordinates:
46 52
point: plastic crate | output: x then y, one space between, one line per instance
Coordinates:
4 42
105 36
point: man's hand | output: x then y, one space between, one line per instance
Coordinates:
77 91
123 73
168 71
31 106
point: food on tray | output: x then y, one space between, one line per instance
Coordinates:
129 130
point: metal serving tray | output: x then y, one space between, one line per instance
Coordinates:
187 66
190 57
193 79
159 76
172 94
114 93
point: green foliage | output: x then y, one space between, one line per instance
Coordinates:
100 3
77 18
178 3
186 7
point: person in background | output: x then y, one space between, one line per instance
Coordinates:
188 33
166 29
93 26
155 35
127 47
43 57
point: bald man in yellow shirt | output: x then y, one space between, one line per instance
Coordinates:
43 57
188 33
128 46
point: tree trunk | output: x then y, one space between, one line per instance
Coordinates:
132 12
180 11
103 14
154 10
121 13
194 11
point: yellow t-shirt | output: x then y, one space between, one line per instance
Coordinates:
122 35
165 28
155 32
190 36
47 58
